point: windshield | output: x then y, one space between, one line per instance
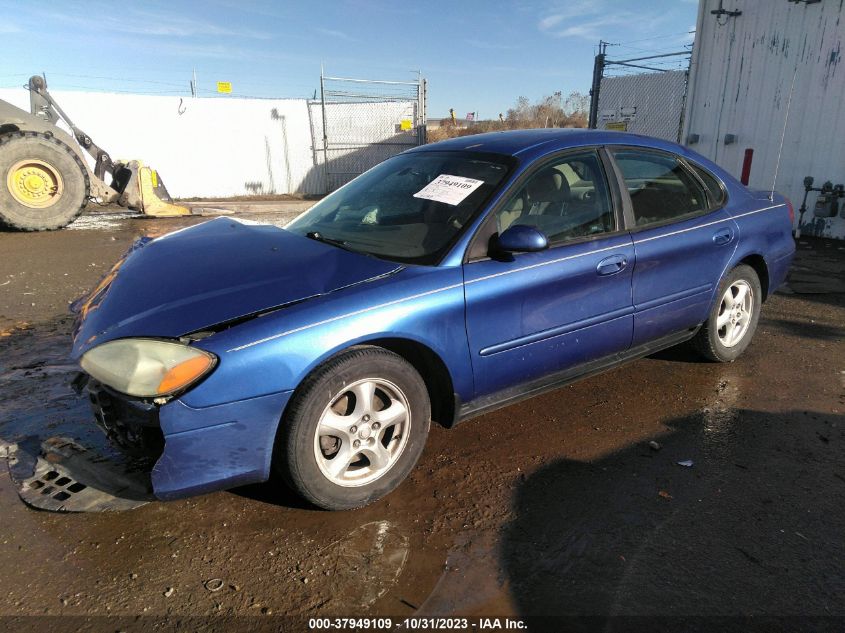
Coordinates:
410 208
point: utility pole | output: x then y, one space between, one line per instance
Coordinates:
598 71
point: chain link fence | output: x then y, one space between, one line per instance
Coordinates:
625 98
358 123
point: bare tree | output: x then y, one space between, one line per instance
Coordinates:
576 103
550 111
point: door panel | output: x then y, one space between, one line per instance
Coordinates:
678 268
548 311
681 248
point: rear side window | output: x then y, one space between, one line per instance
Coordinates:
714 188
661 188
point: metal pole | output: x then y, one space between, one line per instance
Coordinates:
639 59
424 112
372 81
598 71
325 133
659 70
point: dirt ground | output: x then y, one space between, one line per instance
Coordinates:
557 506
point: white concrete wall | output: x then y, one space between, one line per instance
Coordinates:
740 83
215 146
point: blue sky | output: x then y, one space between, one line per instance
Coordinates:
477 56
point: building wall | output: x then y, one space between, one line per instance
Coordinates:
741 83
209 147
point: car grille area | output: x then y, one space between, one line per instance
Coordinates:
131 425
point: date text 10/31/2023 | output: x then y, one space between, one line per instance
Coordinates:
416 624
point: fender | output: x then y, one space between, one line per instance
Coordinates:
282 348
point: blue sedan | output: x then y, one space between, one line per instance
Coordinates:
445 282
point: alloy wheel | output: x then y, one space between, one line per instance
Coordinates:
362 432
735 312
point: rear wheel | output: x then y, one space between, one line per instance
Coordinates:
733 318
354 429
43 183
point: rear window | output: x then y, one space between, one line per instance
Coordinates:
661 188
714 187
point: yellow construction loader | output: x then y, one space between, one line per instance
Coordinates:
45 179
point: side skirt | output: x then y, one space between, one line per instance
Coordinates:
512 395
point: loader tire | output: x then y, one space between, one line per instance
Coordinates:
43 182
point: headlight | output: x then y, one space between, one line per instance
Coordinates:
147 367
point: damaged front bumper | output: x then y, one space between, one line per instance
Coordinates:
130 424
193 450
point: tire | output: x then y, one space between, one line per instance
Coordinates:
344 401
733 319
43 182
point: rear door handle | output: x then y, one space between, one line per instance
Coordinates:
612 265
723 236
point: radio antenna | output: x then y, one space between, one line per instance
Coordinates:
783 133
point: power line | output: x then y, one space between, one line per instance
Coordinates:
652 50
121 79
656 37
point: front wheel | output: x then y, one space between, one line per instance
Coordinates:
43 183
733 318
354 429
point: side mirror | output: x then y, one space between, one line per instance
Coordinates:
521 238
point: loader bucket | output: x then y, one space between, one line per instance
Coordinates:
141 188
154 195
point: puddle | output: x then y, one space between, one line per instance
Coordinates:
721 416
366 562
102 221
472 581
36 397
48 433
351 573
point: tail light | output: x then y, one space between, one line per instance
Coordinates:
791 210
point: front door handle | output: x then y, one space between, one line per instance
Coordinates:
723 236
612 265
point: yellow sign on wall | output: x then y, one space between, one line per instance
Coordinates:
224 86
620 126
405 125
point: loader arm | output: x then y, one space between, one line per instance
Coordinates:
46 179
42 104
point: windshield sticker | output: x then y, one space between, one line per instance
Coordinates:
449 189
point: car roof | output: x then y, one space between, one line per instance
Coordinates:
545 140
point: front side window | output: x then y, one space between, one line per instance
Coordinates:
410 208
566 200
661 188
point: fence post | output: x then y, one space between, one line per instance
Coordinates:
423 134
325 134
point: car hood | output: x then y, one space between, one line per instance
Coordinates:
211 273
